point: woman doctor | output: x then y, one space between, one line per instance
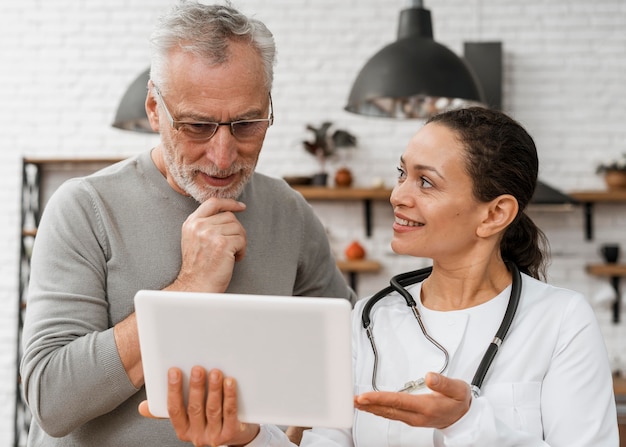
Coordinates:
464 182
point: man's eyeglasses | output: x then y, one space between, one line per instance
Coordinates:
198 130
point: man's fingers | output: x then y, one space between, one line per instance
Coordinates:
210 415
214 403
196 398
230 399
175 399
215 205
144 410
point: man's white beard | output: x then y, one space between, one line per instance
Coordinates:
185 176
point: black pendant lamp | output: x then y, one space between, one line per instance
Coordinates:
131 113
414 77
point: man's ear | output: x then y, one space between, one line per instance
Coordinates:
152 108
501 211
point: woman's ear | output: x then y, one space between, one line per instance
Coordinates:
152 108
500 213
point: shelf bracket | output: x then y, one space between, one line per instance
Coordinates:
367 205
588 210
352 278
616 303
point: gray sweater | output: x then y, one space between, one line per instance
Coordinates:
100 240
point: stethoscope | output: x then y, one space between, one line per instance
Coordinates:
399 283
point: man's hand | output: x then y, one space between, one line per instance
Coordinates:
210 418
212 241
449 401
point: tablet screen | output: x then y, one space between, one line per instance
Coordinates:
291 356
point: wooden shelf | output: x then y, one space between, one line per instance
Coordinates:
616 195
367 195
361 266
609 270
322 193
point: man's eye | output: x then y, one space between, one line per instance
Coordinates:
252 128
199 128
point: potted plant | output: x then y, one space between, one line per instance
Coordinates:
614 171
326 141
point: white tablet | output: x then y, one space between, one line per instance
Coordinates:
291 356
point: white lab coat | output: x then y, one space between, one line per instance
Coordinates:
549 385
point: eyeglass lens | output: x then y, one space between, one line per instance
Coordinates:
239 129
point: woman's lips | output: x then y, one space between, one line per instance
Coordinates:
407 223
402 224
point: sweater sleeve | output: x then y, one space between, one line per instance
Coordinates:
318 274
70 369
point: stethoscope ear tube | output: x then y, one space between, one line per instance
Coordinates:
492 349
367 309
397 283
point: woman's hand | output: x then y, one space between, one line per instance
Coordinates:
209 421
449 401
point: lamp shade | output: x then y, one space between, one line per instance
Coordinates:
131 113
415 76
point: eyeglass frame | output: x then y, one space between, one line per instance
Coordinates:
176 124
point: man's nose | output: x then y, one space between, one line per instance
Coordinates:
222 148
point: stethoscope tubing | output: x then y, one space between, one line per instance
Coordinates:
509 315
399 283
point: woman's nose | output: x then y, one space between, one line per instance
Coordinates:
395 194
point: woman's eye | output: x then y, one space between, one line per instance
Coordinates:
401 173
425 183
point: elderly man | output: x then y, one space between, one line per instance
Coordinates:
190 214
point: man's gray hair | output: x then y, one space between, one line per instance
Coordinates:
206 30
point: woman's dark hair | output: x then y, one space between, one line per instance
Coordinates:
502 159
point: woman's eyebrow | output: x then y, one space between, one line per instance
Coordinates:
421 167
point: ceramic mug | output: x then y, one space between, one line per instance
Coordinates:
610 252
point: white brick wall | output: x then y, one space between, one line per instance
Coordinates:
65 65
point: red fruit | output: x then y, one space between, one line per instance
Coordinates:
355 251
